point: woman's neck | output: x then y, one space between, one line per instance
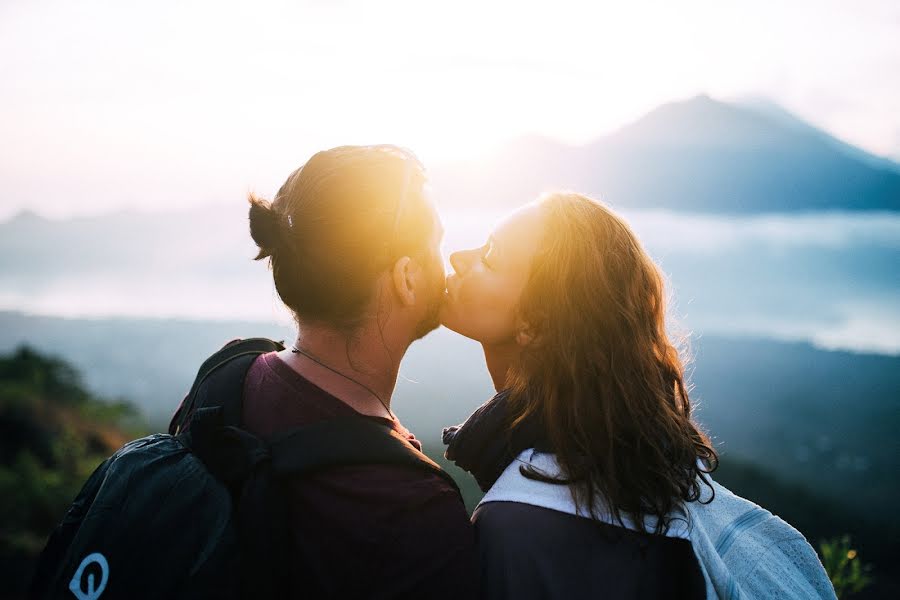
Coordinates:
499 359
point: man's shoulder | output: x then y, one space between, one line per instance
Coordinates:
404 483
385 505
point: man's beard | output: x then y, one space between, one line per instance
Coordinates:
432 318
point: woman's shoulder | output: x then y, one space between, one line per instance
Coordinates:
528 523
517 486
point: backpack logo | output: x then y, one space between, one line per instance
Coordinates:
91 593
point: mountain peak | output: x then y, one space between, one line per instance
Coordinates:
701 99
699 120
25 217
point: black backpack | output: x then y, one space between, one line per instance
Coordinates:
201 512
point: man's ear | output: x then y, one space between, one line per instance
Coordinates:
404 283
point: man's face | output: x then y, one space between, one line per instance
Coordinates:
435 276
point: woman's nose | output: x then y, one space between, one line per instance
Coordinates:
461 261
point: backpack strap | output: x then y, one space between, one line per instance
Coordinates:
347 441
254 472
220 381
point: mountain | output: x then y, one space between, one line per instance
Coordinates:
773 110
695 155
698 155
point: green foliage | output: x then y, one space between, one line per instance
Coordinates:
41 374
53 434
846 570
33 499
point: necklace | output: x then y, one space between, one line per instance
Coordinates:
297 350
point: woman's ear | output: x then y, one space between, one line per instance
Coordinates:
524 333
403 281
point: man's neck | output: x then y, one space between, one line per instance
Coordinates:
355 366
499 359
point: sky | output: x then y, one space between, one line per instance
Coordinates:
110 105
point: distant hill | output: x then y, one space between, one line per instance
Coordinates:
149 361
33 247
830 278
824 420
123 260
809 433
56 432
699 155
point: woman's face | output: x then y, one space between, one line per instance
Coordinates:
484 289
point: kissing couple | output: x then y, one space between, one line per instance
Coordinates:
286 473
596 478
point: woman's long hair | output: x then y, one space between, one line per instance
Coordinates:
601 372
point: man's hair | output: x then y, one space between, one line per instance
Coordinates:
336 224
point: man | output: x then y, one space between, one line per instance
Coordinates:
354 246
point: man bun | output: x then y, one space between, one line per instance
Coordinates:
266 227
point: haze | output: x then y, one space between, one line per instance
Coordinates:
110 105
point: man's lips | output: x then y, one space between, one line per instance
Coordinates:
451 287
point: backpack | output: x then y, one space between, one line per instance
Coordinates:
200 512
747 552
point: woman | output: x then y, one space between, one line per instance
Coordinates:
597 479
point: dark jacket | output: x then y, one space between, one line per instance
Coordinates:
531 551
534 552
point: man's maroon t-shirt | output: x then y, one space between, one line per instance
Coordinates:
374 531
